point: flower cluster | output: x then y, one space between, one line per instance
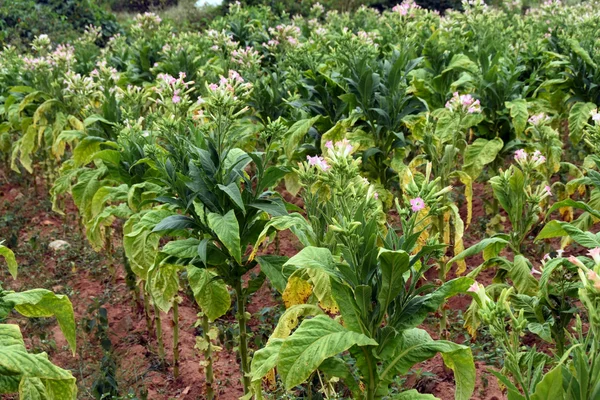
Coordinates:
173 91
286 34
41 44
147 22
595 116
318 161
405 7
463 103
247 58
522 158
92 34
341 148
367 37
222 41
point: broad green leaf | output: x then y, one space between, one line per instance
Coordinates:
551 386
174 222
480 153
83 153
578 117
519 114
393 266
520 274
415 345
351 315
313 257
416 310
44 303
295 135
233 191
273 267
185 248
163 284
575 204
228 231
27 373
556 228
211 294
139 242
312 343
461 62
265 359
11 261
550 230
476 249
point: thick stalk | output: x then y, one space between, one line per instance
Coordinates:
176 338
159 338
109 253
146 308
243 337
208 359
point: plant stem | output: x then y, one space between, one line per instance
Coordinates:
146 308
109 253
176 338
159 338
243 337
208 371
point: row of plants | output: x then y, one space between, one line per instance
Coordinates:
383 124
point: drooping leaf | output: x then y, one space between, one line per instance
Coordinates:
11 261
44 303
31 374
480 153
163 284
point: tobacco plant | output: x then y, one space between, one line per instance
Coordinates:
374 288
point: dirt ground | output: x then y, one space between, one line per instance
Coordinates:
29 225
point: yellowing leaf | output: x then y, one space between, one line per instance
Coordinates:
297 291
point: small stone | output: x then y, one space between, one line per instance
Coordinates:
58 245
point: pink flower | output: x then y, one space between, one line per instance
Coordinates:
376 195
595 254
538 158
535 272
417 204
329 144
548 190
213 87
595 116
318 161
176 99
474 287
593 276
520 155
